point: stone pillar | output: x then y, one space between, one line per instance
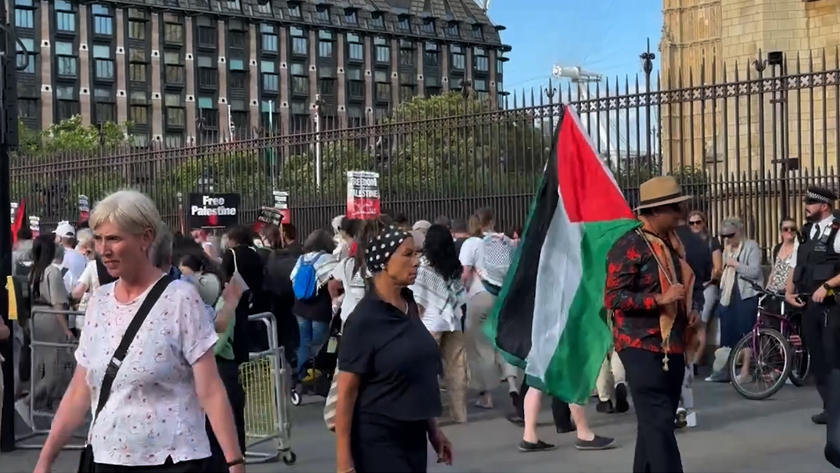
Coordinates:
120 64
189 77
47 92
157 97
85 54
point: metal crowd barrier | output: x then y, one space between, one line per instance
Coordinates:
265 379
51 369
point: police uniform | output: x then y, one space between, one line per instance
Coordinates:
817 261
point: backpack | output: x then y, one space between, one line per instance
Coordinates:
498 256
305 283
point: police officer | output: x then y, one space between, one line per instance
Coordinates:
812 286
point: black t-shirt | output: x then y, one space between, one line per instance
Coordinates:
459 242
396 357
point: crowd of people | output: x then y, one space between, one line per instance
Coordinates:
165 328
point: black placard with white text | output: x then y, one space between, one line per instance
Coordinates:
213 210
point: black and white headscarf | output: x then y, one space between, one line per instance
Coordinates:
381 248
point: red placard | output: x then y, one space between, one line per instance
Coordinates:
363 195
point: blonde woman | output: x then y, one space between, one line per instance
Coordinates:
738 298
485 361
699 224
152 417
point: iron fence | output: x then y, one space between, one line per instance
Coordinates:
745 139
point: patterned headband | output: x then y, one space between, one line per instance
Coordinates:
381 248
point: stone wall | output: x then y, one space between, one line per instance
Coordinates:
726 133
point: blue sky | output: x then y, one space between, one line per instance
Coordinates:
603 36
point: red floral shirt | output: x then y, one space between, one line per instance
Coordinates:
632 283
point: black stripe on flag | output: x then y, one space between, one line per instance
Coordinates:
516 307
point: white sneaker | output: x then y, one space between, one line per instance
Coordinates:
24 411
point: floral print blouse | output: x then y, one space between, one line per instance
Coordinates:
153 411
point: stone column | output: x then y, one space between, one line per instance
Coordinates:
157 98
120 65
47 92
85 54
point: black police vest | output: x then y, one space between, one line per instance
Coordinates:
816 260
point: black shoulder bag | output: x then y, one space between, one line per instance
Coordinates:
86 461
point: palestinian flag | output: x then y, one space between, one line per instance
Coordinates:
550 317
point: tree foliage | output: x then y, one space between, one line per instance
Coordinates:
440 146
71 138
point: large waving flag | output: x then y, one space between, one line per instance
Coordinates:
550 317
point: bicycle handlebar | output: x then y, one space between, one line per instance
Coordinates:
761 290
765 292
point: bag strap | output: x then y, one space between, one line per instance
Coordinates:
127 338
235 263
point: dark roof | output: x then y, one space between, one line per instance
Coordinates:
474 26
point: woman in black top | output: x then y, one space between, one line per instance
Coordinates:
240 256
388 393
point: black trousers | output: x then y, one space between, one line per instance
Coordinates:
820 330
190 466
229 372
380 444
656 397
559 409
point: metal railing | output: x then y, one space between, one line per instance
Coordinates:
51 369
266 381
745 138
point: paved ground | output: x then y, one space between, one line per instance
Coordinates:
734 435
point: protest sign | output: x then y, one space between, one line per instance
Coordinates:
362 195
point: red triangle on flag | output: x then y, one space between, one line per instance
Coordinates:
587 188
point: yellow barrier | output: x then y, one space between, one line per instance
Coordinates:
265 379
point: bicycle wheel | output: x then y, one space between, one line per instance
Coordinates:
800 357
769 364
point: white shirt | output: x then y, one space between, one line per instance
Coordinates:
825 228
472 254
354 286
74 261
153 411
90 278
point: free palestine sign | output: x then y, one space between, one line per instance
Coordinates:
214 210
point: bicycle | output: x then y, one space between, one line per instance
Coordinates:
776 347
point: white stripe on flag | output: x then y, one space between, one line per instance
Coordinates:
558 278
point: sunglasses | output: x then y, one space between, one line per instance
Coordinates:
728 235
788 229
695 222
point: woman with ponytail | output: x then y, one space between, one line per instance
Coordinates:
46 289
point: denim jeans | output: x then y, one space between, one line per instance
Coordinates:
312 336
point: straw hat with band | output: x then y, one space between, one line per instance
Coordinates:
660 192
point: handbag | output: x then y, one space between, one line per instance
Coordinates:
86 460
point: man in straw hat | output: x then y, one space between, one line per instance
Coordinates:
812 285
652 312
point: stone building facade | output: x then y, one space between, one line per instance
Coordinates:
177 69
748 130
